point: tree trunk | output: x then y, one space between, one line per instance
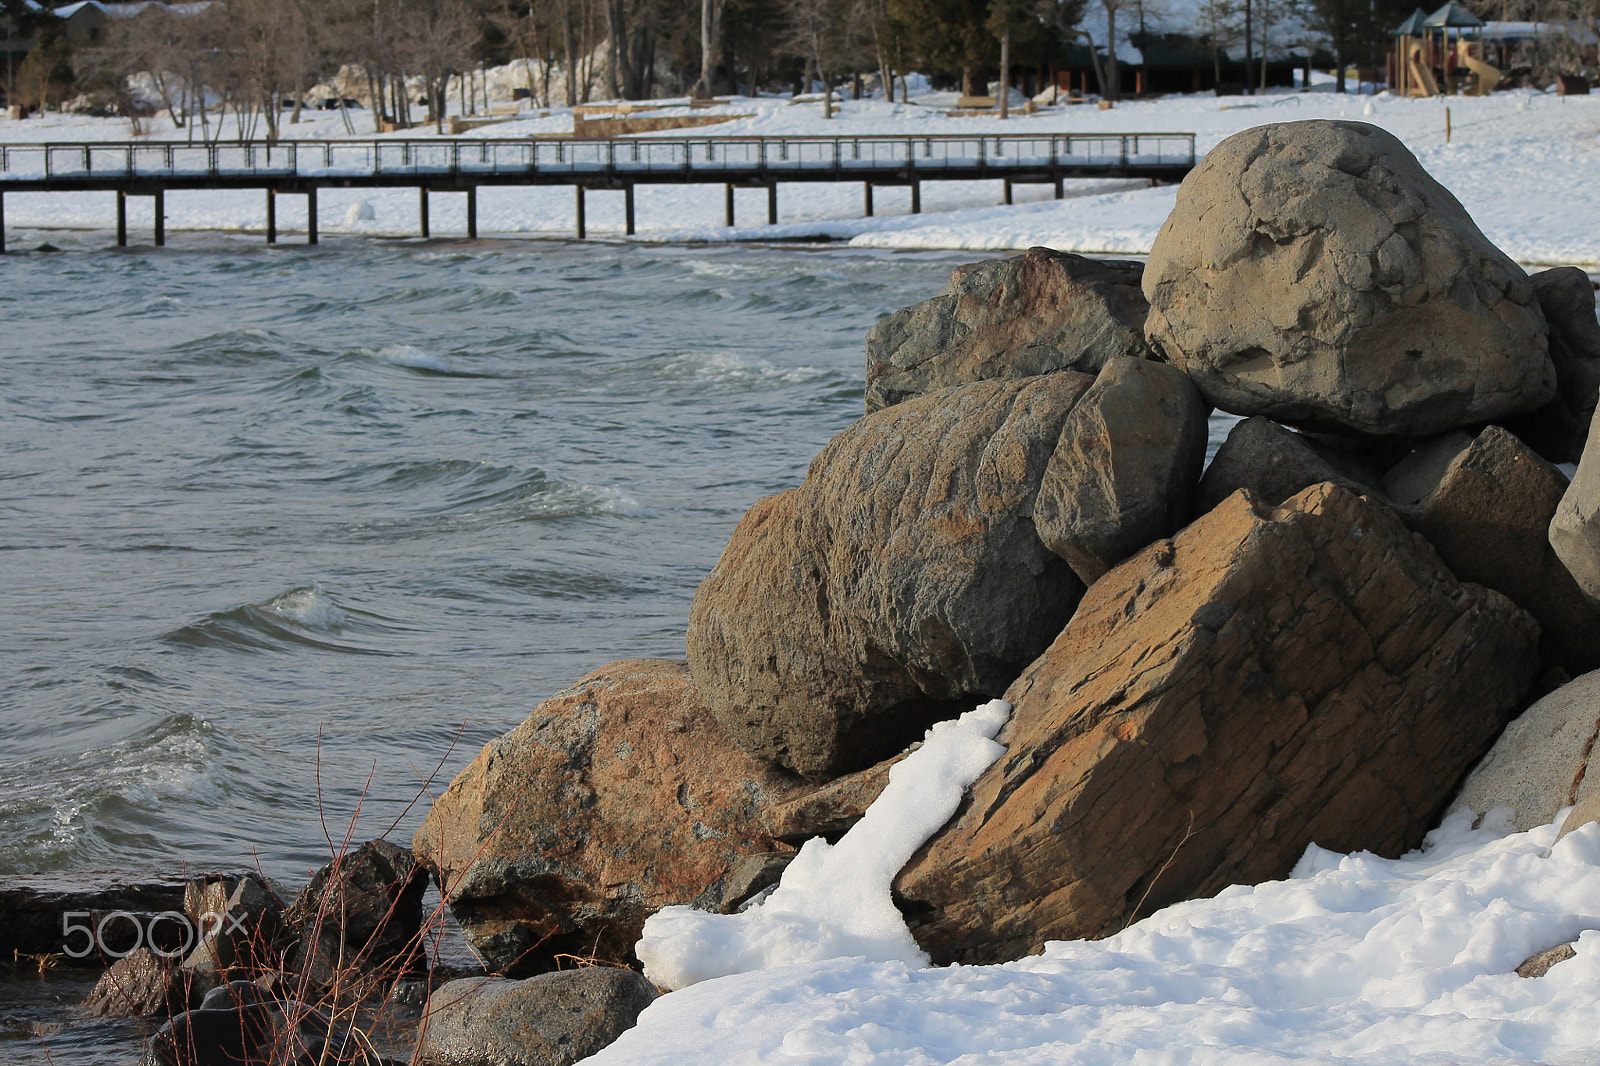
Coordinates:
1339 64
1249 54
1005 72
1113 87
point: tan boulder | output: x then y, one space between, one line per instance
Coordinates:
1125 468
902 582
1266 679
1542 761
616 797
1314 273
1009 318
1485 503
1575 527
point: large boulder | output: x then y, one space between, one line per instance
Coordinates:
1266 679
1485 504
1544 761
1274 463
903 581
1125 466
1314 273
1559 429
1009 318
553 1019
616 797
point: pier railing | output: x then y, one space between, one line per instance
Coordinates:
566 160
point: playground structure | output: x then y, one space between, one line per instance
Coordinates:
1441 54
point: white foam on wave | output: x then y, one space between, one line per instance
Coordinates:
731 369
310 607
409 356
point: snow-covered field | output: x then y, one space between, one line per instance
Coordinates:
1523 163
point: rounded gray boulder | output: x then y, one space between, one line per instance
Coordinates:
1314 273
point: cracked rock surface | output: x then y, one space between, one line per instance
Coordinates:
1035 313
1266 679
1314 273
902 583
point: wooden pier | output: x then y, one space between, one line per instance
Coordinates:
465 165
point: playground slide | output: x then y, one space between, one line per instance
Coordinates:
1421 79
1487 77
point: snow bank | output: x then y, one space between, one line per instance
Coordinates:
833 901
1353 959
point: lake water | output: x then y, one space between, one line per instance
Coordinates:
291 532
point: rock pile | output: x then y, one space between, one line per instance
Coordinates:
1313 642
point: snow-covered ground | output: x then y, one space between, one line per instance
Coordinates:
1352 959
1522 163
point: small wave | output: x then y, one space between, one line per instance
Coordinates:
310 606
305 617
423 362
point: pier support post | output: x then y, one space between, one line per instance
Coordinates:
772 204
583 229
2 223
866 197
422 208
272 217
916 198
1061 191
122 219
472 212
627 207
1008 190
161 217
728 204
311 215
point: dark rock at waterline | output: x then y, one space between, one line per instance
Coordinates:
1267 678
554 1019
1314 273
361 913
240 1024
1001 319
901 582
616 797
92 918
141 985
239 922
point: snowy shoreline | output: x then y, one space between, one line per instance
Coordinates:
1520 162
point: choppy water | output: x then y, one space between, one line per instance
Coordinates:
290 533
287 529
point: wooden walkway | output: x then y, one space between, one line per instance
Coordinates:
464 165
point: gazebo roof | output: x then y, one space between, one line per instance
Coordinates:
1413 25
1452 15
